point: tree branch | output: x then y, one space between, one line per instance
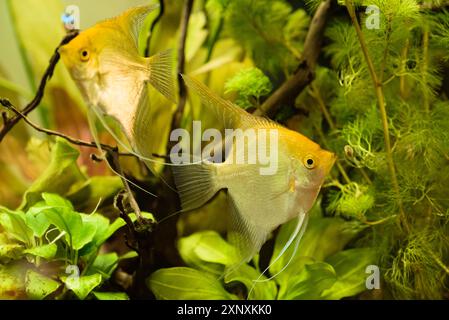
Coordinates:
290 89
177 117
153 25
9 123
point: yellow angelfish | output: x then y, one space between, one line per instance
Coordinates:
258 203
104 62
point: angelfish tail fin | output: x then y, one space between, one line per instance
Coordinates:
161 77
196 184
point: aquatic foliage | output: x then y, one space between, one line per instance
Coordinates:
378 98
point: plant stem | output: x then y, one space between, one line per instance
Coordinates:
381 102
424 68
403 64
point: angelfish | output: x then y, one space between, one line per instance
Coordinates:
258 203
104 62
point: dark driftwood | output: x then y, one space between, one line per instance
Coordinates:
290 89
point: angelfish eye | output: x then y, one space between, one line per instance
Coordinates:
84 55
309 162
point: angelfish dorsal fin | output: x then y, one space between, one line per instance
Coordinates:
228 113
132 20
225 111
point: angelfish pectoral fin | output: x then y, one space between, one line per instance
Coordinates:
161 76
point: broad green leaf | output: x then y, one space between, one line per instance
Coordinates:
56 201
215 10
129 255
9 250
58 177
196 34
37 220
110 295
309 283
104 264
322 238
183 283
65 219
205 250
82 286
350 266
104 229
47 251
88 194
14 224
39 286
12 281
262 290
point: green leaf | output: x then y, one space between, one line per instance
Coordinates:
39 286
58 177
129 255
87 194
183 283
104 264
196 34
37 220
110 295
61 215
207 250
215 10
309 283
104 229
14 224
322 238
47 251
246 275
350 266
12 281
9 250
82 286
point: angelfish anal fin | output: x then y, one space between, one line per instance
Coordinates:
243 233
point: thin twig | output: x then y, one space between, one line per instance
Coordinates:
7 104
425 66
82 143
304 75
153 25
177 117
113 159
9 123
381 102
